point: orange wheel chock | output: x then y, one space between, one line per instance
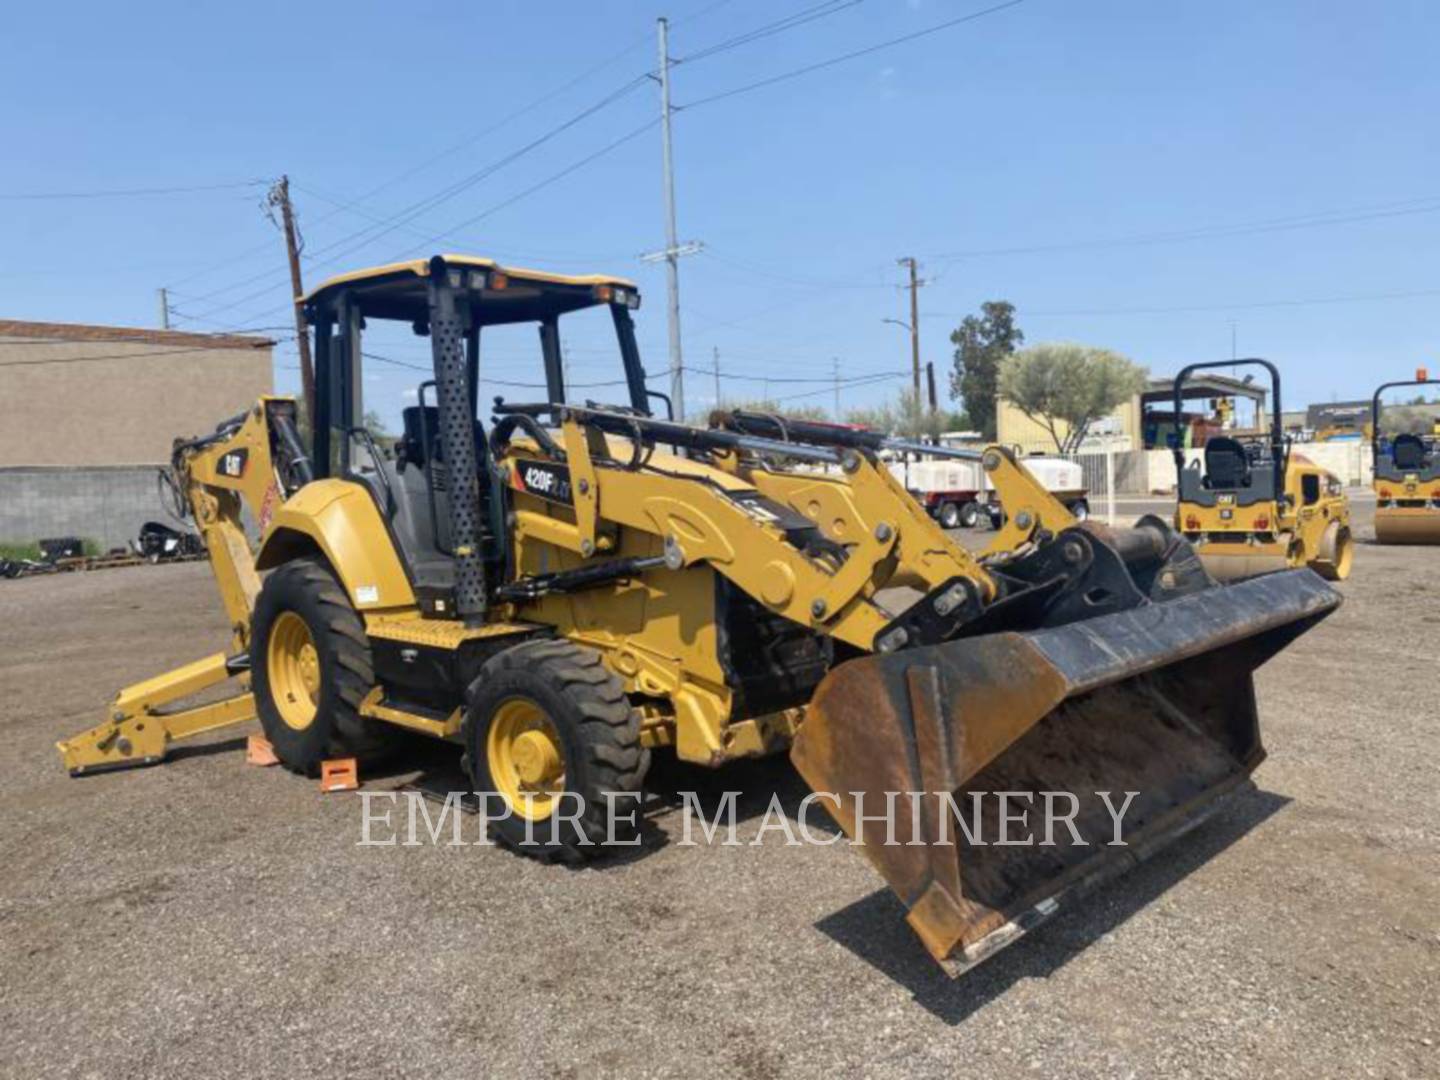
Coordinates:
339 774
258 751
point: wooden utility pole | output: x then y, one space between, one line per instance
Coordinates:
930 377
909 261
718 403
280 196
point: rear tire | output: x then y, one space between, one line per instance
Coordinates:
969 515
1080 510
548 719
949 515
311 668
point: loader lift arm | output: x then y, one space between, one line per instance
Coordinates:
247 460
847 537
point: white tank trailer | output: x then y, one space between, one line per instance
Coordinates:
958 494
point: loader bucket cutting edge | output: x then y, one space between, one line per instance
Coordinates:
1158 700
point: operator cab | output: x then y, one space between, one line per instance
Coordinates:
449 529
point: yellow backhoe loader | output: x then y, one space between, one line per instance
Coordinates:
1407 474
1252 507
584 584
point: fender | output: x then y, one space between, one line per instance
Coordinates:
340 519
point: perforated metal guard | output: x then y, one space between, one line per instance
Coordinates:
457 438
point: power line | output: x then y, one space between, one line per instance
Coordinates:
363 237
121 193
374 232
353 241
473 178
486 380
112 356
417 209
828 380
449 151
368 235
1243 305
873 380
573 167
806 282
1320 219
509 118
531 106
856 54
496 208
807 15
799 18
533 257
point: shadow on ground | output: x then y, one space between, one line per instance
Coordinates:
433 770
874 928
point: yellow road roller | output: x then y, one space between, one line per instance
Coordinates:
1407 472
1252 507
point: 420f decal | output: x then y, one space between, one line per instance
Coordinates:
544 479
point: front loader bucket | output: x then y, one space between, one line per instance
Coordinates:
1158 700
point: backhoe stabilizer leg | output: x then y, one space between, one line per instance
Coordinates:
137 733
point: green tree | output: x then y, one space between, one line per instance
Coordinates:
879 418
907 417
374 423
1073 385
916 419
1402 419
982 342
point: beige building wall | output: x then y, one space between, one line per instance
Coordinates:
105 395
1014 428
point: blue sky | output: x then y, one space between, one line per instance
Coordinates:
1141 176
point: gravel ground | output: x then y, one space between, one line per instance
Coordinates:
206 918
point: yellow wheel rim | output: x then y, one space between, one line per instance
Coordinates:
526 758
293 666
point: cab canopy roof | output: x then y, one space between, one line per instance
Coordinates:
506 294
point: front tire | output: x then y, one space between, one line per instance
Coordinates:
311 668
547 724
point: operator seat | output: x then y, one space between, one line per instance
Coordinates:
1227 467
1408 452
420 481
